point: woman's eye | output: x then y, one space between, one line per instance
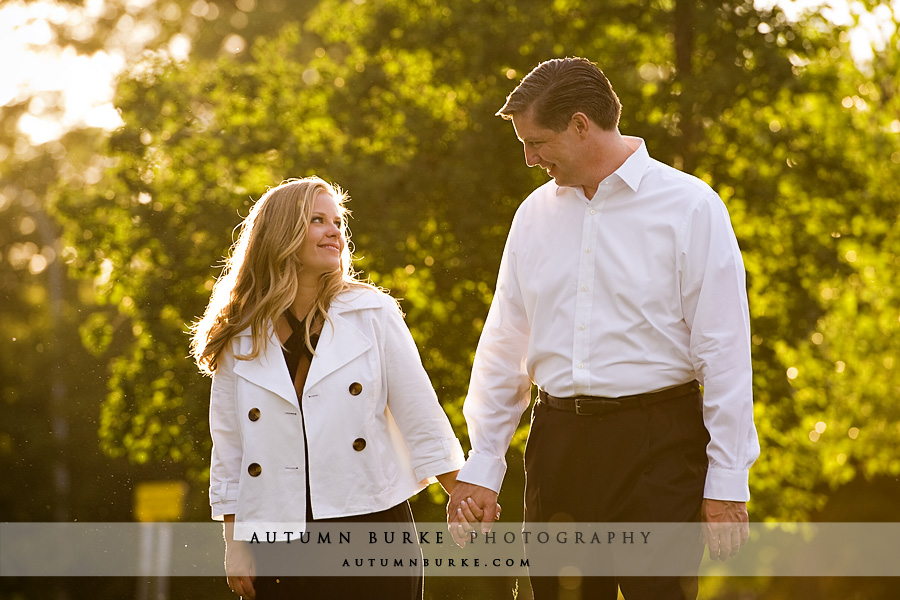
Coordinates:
316 220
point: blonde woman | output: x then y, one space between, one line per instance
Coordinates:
315 378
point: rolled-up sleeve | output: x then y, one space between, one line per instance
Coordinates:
500 386
225 464
714 300
432 444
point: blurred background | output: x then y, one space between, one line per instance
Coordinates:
135 134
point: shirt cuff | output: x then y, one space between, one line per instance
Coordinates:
484 471
727 484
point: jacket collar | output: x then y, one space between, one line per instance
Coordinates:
339 343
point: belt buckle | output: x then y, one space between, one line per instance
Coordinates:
600 404
583 407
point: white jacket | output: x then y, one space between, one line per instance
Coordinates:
374 428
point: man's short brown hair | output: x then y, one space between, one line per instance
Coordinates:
557 89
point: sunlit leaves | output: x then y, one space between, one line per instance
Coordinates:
394 100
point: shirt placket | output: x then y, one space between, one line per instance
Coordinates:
581 354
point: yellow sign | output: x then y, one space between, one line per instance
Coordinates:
159 500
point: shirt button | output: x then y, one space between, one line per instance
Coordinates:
253 415
593 211
254 469
581 327
355 388
588 250
584 288
580 365
359 444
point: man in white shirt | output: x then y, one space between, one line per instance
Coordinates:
621 286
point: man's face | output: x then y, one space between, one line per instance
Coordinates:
558 153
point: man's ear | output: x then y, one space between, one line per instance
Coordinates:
582 123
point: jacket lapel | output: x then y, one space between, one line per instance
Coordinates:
269 370
340 342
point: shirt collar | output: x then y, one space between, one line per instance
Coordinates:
632 170
634 167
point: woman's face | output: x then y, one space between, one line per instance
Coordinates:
321 251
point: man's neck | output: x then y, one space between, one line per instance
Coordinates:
613 150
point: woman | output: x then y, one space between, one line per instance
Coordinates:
316 379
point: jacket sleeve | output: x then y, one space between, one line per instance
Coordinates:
225 464
433 447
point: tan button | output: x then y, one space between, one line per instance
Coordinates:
359 444
254 469
355 388
253 415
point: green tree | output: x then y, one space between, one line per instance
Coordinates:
366 96
394 100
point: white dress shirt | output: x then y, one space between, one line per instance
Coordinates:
639 288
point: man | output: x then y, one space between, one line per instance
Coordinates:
621 287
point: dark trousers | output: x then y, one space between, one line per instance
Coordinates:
638 465
375 588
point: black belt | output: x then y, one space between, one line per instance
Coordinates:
595 406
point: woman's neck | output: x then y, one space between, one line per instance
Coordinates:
305 300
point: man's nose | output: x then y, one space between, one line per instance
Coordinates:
531 157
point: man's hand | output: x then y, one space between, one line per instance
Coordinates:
468 505
726 527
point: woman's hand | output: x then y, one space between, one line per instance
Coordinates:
448 480
240 569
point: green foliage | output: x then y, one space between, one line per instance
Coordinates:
806 178
394 101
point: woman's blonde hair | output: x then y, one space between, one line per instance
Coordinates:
261 276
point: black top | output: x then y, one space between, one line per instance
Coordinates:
295 350
295 345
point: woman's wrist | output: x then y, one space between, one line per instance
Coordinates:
448 480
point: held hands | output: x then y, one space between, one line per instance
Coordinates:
726 527
470 504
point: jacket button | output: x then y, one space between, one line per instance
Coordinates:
355 388
359 444
253 415
254 469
